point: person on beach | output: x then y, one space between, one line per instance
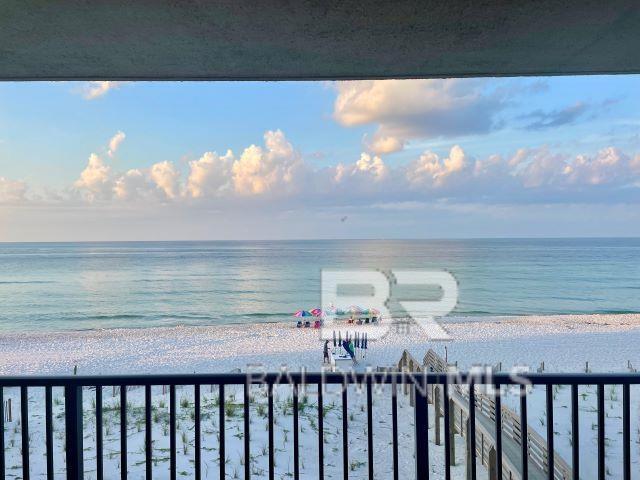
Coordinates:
326 352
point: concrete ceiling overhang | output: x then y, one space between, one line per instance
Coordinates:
303 39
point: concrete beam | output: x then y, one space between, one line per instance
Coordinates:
305 39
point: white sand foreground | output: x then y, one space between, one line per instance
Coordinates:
564 343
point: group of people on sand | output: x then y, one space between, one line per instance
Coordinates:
317 323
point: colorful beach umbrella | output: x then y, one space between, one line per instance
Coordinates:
302 313
316 312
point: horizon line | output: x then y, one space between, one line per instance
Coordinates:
350 239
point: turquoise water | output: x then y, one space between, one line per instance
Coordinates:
102 285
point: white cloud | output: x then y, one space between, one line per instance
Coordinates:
273 169
95 181
373 166
160 182
608 166
12 191
210 175
96 89
408 109
537 167
364 171
385 144
166 178
540 167
431 170
133 185
115 142
278 171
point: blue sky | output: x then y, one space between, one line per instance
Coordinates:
438 158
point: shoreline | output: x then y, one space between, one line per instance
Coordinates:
558 340
453 319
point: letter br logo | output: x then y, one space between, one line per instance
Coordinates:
340 308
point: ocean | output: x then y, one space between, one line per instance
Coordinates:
83 286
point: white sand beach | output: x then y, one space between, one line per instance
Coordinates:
563 342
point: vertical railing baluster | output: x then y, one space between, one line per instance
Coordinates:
472 428
296 434
447 431
271 438
221 429
48 413
524 438
421 413
172 433
24 419
197 432
123 432
99 423
247 439
370 427
626 431
394 427
345 433
550 442
498 420
73 432
601 445
575 433
320 432
148 433
2 455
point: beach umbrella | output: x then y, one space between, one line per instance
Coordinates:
302 313
316 312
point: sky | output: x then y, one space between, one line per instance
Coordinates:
443 158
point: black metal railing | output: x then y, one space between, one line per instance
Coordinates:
75 386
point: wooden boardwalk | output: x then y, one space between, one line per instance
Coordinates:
511 450
537 453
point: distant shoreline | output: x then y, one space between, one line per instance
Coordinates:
452 319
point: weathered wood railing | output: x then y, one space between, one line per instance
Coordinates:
536 446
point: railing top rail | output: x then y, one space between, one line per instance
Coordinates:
418 378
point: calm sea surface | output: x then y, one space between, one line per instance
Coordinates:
83 286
